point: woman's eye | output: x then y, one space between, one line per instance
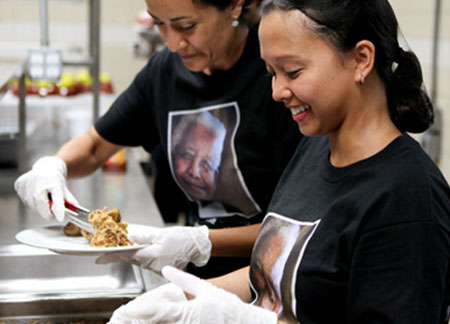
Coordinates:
270 74
294 73
185 28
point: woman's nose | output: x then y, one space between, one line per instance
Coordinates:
280 92
175 41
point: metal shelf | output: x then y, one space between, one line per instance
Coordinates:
92 62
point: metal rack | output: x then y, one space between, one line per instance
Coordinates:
92 62
432 138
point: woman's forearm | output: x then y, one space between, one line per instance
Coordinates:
235 282
86 153
233 241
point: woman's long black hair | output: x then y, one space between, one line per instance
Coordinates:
346 22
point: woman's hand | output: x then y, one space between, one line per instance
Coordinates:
47 178
168 304
175 246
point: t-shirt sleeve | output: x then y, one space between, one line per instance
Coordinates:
129 121
398 275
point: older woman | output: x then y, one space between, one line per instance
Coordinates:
360 220
211 64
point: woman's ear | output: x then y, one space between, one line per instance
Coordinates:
364 55
236 8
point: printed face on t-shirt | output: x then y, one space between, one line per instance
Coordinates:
194 157
203 160
276 255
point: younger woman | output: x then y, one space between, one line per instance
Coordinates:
359 225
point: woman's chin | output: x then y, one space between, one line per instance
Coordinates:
194 65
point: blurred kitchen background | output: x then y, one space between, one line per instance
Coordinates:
96 48
62 63
68 30
125 42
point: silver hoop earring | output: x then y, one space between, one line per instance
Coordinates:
362 79
235 23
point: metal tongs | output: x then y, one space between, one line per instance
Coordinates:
78 215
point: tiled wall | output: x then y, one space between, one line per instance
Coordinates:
19 30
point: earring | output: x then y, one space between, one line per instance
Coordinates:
361 82
235 23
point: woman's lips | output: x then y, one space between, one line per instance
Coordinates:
299 113
300 117
187 57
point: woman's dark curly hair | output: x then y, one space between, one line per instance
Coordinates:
248 11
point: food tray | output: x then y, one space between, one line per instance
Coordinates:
90 310
43 286
32 273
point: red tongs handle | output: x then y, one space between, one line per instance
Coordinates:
67 204
70 206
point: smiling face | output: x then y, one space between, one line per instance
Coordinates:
310 77
203 37
194 162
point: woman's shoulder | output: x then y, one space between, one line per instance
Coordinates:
409 184
161 66
411 161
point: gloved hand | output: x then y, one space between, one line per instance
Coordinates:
47 176
210 305
138 310
175 246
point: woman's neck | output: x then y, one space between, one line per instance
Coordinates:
367 131
233 54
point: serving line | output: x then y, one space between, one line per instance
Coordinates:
26 271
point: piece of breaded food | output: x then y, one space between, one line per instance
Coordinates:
110 233
72 230
115 214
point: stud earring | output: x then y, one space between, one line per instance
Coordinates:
235 23
361 82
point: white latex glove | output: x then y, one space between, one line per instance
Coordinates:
175 246
210 305
47 176
137 311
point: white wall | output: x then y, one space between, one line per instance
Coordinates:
68 29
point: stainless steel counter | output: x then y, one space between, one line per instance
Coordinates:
127 191
40 284
51 122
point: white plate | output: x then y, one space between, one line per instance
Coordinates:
54 239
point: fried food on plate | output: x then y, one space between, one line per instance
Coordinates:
111 231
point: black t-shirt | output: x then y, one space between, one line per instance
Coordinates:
366 243
228 166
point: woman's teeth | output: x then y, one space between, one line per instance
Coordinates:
298 110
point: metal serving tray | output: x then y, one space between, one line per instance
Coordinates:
60 311
37 284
